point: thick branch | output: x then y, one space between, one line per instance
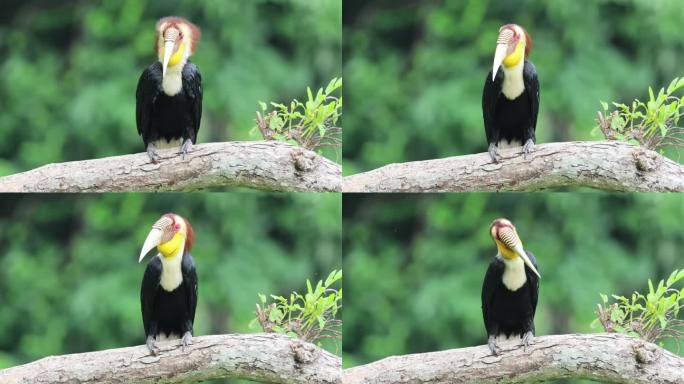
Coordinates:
268 358
611 358
609 165
267 165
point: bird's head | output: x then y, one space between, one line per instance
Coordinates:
171 235
513 45
508 242
176 41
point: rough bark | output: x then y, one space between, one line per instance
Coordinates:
268 358
610 358
608 165
267 165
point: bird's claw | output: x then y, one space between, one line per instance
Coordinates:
152 153
151 345
494 152
491 343
527 339
186 148
527 149
186 340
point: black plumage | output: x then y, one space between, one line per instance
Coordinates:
160 116
511 120
166 312
507 312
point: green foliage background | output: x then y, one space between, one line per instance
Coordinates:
70 281
70 69
415 69
415 263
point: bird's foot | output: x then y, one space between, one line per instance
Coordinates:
491 343
494 152
152 153
151 345
186 340
186 148
527 149
528 338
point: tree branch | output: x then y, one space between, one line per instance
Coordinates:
267 165
609 165
604 357
261 357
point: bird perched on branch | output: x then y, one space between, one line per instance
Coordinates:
510 99
169 93
168 294
510 288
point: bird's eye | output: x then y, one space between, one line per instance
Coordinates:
176 227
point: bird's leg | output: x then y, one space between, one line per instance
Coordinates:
151 345
186 340
494 152
152 153
491 343
528 148
528 338
186 148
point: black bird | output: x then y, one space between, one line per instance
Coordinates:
169 95
510 288
510 99
168 294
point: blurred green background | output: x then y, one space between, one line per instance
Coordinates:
415 69
70 281
415 263
70 69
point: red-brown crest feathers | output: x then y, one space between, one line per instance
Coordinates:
190 236
183 25
528 43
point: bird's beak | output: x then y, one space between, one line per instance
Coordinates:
153 239
518 249
168 51
499 56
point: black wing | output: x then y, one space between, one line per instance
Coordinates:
532 88
190 285
490 95
192 86
493 275
149 87
148 293
533 281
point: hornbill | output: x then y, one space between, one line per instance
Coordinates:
168 294
510 99
510 288
168 105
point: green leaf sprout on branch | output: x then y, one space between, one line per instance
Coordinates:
652 124
310 317
312 124
652 317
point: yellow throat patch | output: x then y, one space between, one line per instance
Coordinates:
177 56
514 58
171 247
505 252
